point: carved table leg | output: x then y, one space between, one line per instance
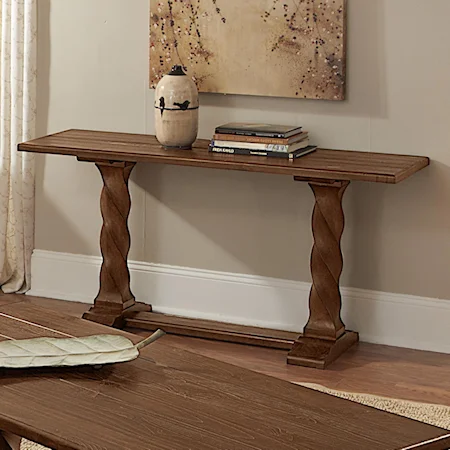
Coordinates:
325 337
114 300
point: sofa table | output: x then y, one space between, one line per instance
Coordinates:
173 399
328 172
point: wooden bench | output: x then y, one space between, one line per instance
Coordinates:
328 172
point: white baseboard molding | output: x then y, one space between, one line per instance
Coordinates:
381 318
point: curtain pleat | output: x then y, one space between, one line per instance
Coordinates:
17 124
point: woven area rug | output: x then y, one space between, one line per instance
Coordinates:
437 415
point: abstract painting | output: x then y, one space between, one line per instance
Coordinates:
281 48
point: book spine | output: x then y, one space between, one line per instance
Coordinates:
246 151
254 139
251 133
253 146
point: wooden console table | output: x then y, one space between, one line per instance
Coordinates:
328 172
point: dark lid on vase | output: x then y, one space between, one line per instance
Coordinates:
177 71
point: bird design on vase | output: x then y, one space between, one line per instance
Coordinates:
183 106
162 105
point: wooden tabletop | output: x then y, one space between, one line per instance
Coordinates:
171 399
321 164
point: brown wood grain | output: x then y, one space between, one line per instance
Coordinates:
172 399
209 329
327 164
369 368
115 203
324 337
4 445
8 299
327 171
326 262
114 298
46 320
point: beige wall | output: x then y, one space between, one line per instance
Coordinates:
93 74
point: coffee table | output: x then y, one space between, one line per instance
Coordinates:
171 399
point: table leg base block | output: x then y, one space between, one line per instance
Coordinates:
320 353
104 317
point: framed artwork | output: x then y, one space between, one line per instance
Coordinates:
280 48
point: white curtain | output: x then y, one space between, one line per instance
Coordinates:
17 124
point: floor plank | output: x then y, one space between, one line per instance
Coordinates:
366 368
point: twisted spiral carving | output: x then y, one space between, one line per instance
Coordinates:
115 204
326 262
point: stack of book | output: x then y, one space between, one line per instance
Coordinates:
279 141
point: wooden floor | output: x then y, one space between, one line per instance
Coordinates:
367 368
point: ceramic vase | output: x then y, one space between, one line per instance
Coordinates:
176 110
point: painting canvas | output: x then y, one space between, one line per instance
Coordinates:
282 48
